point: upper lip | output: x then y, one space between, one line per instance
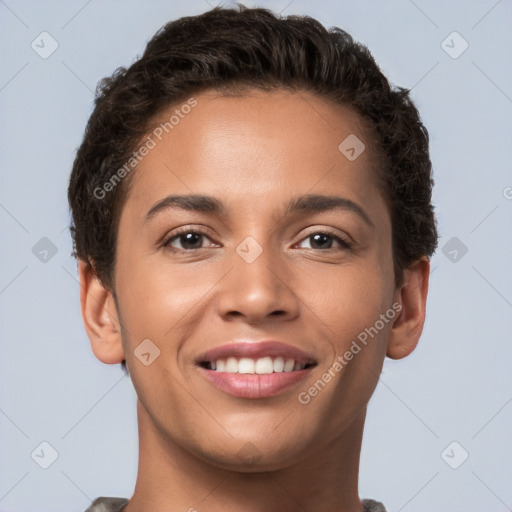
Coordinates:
256 350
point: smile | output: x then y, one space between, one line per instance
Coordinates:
247 369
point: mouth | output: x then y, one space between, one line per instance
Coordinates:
255 370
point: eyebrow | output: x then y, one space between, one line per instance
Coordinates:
306 203
192 202
321 203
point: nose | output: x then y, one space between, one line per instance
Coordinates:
258 292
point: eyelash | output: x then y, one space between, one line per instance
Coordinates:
345 244
180 232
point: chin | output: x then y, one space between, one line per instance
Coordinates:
254 455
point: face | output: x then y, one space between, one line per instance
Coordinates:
255 276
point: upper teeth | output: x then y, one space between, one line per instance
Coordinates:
260 366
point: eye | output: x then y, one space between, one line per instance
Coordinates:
321 240
186 240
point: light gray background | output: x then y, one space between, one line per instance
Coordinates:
455 387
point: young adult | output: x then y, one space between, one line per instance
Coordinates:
253 225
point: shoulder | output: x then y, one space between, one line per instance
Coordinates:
118 504
108 505
373 506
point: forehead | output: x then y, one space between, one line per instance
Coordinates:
256 145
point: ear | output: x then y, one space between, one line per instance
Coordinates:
412 296
100 316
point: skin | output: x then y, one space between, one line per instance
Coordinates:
253 153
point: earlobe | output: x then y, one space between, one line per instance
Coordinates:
412 296
100 316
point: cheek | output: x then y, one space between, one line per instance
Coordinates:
365 319
354 319
158 297
348 301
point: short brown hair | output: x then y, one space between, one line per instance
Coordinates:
227 50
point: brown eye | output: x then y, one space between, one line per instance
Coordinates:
186 241
324 241
321 241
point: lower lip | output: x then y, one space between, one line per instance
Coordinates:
248 385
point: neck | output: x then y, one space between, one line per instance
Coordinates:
170 478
